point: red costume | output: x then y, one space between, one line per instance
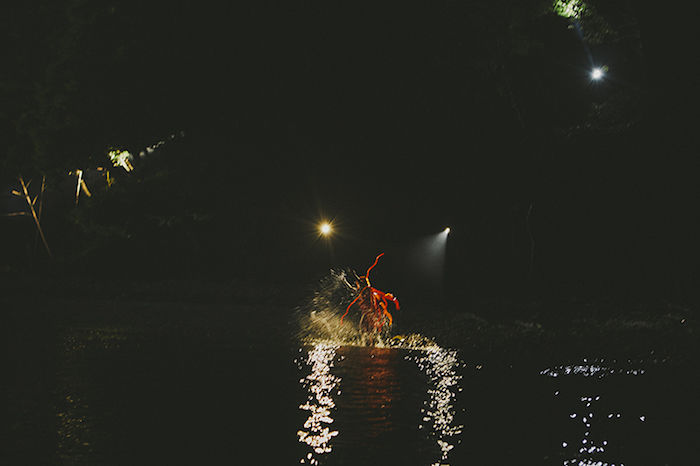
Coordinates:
372 302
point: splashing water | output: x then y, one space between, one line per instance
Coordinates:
323 331
320 319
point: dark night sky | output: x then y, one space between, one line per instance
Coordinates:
395 121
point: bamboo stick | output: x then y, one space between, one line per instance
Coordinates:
41 195
77 187
36 219
85 189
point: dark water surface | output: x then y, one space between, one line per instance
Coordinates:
97 394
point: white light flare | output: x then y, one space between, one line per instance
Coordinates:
597 73
325 229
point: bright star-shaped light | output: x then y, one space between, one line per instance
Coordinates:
597 74
325 228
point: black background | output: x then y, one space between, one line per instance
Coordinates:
392 120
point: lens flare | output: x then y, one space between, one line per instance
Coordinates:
325 229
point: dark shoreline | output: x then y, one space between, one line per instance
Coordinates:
496 331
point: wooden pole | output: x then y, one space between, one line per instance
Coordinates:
41 195
77 187
85 189
36 219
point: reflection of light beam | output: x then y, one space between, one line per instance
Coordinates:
440 364
591 449
319 383
588 370
590 446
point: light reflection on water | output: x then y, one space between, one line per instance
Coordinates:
595 416
370 398
109 395
75 429
320 384
597 369
439 365
590 449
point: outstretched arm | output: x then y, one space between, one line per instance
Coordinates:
393 299
372 266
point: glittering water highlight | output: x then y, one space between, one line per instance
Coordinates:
595 416
598 370
435 422
321 385
590 448
321 327
439 365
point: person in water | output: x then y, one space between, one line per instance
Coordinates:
372 300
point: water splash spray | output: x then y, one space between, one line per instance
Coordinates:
323 330
321 320
321 317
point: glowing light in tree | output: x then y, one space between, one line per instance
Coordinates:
121 158
569 8
598 73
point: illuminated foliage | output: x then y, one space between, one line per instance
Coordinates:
569 8
121 158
